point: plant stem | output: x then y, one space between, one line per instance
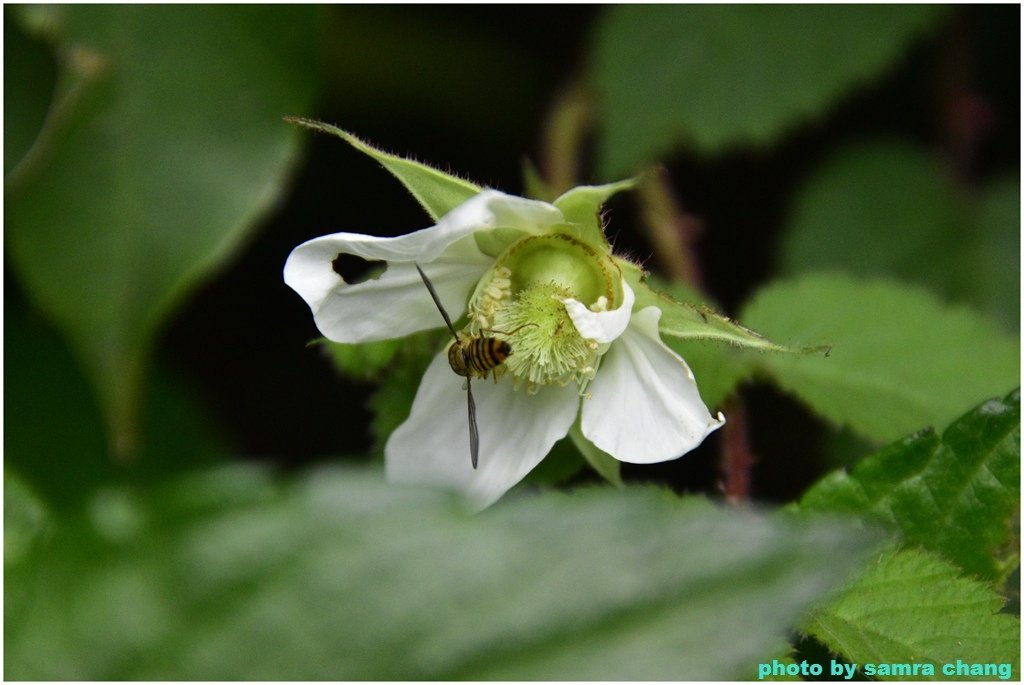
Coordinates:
965 116
567 125
737 459
672 231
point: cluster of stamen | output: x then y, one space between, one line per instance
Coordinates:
489 300
546 347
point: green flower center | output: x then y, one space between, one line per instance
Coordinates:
521 301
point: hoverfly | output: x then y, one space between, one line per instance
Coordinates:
470 356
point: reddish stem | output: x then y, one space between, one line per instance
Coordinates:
672 230
965 115
737 457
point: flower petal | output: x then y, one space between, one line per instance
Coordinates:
532 216
603 327
516 431
396 303
644 405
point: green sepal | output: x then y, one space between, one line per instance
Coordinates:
437 192
582 209
607 466
492 243
690 322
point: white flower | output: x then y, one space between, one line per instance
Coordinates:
584 351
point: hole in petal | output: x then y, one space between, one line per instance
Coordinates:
356 269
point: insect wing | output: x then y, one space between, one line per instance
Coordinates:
437 301
474 434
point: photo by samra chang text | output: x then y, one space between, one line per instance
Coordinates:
837 669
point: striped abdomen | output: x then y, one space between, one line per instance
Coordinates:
476 356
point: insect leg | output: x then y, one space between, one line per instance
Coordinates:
512 332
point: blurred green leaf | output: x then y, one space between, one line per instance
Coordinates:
958 494
25 518
364 361
164 147
715 76
392 402
900 359
890 209
54 433
29 78
341 577
995 271
913 607
883 208
437 192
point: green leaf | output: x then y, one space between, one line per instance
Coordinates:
25 518
364 361
437 192
900 359
163 148
913 607
958 494
887 208
995 271
27 521
53 428
29 77
717 76
341 577
878 209
392 402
